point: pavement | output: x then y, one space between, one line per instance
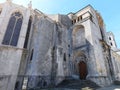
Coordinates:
112 87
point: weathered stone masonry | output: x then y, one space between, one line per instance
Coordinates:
51 48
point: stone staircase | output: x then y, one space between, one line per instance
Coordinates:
116 82
74 84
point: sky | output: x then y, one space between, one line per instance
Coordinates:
109 9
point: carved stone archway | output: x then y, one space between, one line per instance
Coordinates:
81 65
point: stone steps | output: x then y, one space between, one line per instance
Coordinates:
117 82
73 84
78 84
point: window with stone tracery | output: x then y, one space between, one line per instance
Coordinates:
13 29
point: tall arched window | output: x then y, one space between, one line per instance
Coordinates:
79 36
13 29
28 32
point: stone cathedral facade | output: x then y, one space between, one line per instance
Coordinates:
39 50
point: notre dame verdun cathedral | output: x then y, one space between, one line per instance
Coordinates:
41 50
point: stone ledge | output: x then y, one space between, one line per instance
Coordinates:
11 47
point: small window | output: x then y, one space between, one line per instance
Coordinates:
111 44
109 38
64 57
68 45
31 56
78 19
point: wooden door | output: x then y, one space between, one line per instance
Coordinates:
82 70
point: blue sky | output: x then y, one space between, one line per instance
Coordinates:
109 9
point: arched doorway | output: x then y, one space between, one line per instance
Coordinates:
82 70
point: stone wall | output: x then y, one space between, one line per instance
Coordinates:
55 47
50 57
10 56
116 65
95 54
42 44
9 65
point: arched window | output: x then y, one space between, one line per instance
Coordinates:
28 33
13 29
79 36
